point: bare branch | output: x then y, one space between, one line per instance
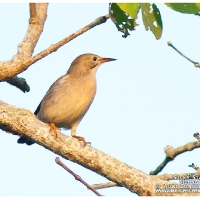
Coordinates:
33 13
104 185
196 64
55 47
26 124
197 136
17 64
23 59
77 177
194 166
9 69
38 15
161 166
19 83
171 153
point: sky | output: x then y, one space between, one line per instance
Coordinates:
146 100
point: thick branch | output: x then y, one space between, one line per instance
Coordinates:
23 122
9 69
33 13
38 15
171 153
23 59
17 64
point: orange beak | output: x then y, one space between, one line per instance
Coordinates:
103 60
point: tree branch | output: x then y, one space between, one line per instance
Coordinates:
77 177
104 185
33 13
196 64
197 136
9 69
23 59
194 166
38 15
24 123
171 153
55 47
161 166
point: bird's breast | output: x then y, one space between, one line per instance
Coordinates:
67 102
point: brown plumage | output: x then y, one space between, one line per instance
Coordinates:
70 96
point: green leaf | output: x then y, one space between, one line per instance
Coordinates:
188 8
122 20
152 19
130 8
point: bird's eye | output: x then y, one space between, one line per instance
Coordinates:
94 58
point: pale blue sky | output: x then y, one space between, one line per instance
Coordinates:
146 100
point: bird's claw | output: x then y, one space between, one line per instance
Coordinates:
81 139
54 128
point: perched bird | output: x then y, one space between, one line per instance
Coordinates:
70 96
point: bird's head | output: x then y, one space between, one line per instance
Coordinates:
86 63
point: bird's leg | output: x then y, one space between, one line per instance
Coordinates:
81 139
54 128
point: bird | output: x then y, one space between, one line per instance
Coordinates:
70 96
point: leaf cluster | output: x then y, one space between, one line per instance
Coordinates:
124 15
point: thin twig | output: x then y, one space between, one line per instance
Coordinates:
55 47
161 166
77 177
196 64
171 153
197 136
194 166
104 185
19 83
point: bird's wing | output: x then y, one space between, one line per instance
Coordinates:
38 108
